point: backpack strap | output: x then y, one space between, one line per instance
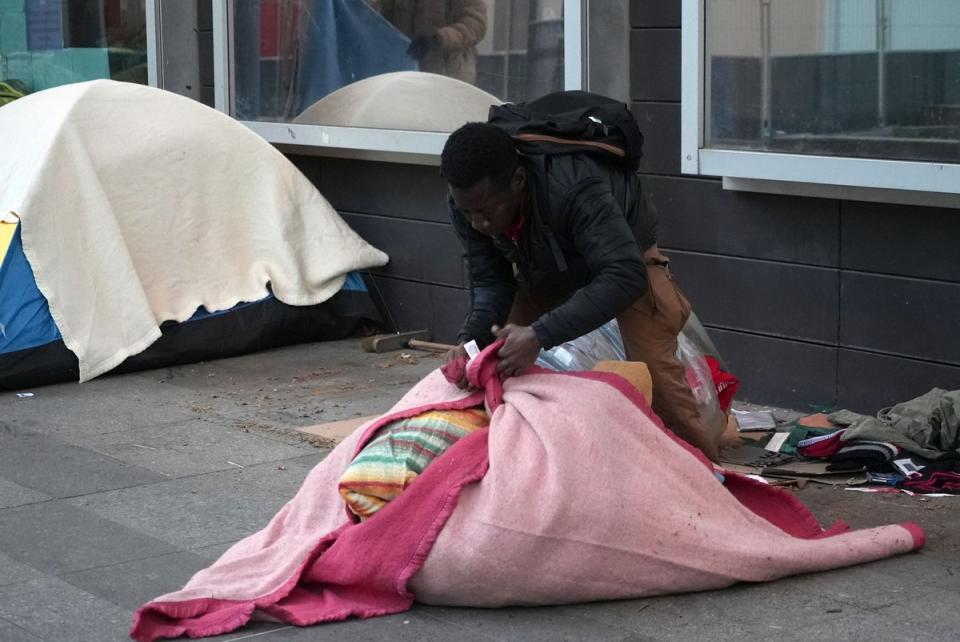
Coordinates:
542 198
574 144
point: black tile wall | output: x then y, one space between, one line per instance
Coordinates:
418 250
699 215
205 15
655 68
419 305
205 42
660 124
897 239
782 299
402 191
777 371
655 13
869 381
901 316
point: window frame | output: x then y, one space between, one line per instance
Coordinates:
780 171
368 142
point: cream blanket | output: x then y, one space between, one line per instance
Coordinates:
137 206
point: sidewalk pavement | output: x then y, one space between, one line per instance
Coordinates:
116 491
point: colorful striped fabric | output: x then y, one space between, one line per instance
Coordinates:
400 451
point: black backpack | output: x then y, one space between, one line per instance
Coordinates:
567 122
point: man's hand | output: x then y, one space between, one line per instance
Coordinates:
520 350
453 355
421 46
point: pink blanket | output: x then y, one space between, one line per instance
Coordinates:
575 493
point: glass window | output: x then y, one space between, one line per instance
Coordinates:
348 62
45 43
858 78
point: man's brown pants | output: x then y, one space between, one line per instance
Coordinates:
649 328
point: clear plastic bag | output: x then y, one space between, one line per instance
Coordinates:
697 334
603 344
606 344
701 384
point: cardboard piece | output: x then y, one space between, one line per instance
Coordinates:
818 420
337 431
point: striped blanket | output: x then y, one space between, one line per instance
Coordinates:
401 450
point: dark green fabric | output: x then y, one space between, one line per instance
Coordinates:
798 433
928 426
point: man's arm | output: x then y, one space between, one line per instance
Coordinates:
492 284
602 236
468 25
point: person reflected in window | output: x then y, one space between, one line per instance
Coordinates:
443 33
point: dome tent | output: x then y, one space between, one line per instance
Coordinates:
150 229
405 100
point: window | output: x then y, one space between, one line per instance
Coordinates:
845 92
290 55
45 43
336 74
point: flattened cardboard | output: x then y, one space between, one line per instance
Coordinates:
337 431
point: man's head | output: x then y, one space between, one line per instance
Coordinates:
486 179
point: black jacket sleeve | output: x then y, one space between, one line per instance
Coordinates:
593 220
492 284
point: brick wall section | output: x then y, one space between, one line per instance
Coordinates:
811 301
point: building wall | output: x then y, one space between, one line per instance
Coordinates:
811 301
401 209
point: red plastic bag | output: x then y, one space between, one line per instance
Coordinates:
725 382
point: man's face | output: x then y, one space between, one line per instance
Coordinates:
491 207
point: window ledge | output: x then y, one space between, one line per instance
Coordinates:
842 192
385 145
865 174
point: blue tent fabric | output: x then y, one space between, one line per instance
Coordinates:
353 283
25 320
347 41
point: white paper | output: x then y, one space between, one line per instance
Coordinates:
754 420
776 442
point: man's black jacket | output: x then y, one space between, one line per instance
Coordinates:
585 233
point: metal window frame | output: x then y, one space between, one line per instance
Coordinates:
862 178
380 144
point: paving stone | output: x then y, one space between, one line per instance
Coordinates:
210 554
59 469
191 448
860 626
412 626
132 584
530 624
876 584
278 478
57 537
10 632
190 512
726 614
13 572
91 408
933 617
291 408
52 609
16 495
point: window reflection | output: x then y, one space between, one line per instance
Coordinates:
289 55
866 78
45 43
